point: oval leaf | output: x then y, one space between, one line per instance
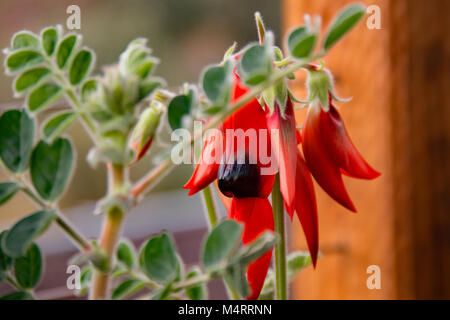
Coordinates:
51 167
30 78
56 125
5 260
18 295
199 292
216 83
126 254
23 59
19 238
344 21
127 288
256 65
43 96
49 38
179 107
219 245
301 42
7 191
81 66
158 259
28 269
65 50
16 139
24 39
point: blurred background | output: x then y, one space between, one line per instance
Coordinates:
399 118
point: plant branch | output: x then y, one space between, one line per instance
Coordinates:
76 236
111 231
147 183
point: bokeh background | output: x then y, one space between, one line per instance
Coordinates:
399 118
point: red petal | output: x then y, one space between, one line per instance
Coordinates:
341 148
285 149
306 207
208 166
320 163
256 214
250 121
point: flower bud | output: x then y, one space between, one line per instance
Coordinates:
144 131
320 84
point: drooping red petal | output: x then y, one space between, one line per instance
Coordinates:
246 132
322 166
208 165
306 207
256 215
341 147
285 149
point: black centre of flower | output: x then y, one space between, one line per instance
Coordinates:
239 179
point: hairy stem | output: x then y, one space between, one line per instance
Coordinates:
110 234
280 248
209 207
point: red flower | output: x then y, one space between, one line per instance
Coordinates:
329 153
248 188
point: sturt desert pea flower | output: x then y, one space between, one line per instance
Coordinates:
239 177
327 147
145 129
295 180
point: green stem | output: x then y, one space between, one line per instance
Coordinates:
210 207
111 231
280 248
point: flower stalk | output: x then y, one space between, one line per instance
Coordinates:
280 247
110 234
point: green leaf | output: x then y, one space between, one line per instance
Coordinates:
179 107
49 38
24 39
158 259
87 88
18 295
30 78
28 269
220 244
19 238
65 50
256 65
5 260
162 294
127 288
7 191
301 42
81 66
296 261
256 248
344 21
148 86
235 277
51 167
23 59
16 139
199 292
43 96
126 254
57 124
216 83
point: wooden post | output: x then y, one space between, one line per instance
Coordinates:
399 119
